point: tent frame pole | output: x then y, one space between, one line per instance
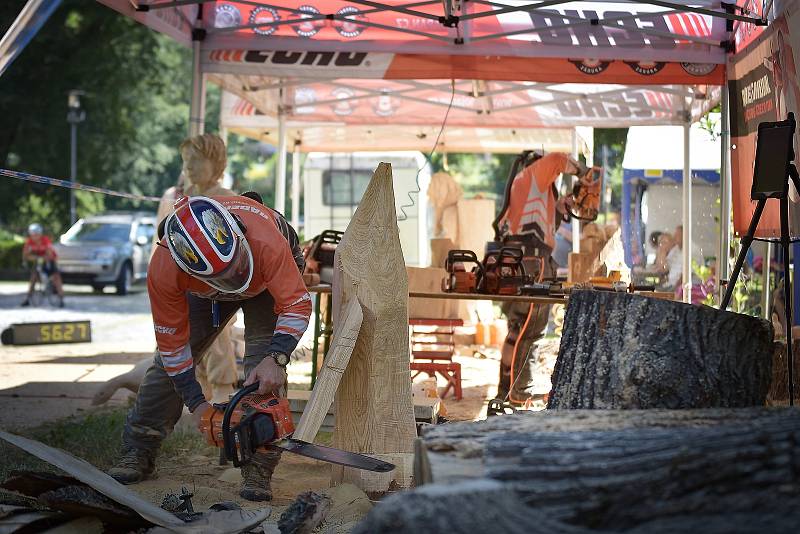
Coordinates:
766 289
197 106
296 185
687 213
280 171
723 262
576 224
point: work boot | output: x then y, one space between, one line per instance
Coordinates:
132 466
256 477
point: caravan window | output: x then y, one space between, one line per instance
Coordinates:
344 187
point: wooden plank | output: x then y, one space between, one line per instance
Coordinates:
323 289
345 333
223 522
374 410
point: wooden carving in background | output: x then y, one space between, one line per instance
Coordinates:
374 409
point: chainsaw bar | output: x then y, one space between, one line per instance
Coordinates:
331 455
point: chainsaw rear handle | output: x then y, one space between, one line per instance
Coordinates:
463 256
227 437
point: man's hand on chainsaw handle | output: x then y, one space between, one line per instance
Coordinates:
197 415
269 375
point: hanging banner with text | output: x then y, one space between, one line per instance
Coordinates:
764 87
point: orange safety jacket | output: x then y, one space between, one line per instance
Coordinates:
532 202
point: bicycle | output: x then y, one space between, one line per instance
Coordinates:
43 289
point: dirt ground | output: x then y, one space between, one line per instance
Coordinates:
47 383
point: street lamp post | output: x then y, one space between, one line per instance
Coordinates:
75 115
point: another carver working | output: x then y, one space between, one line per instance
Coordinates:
217 255
529 219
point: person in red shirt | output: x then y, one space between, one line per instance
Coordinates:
39 248
217 255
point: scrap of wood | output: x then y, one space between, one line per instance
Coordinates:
89 474
345 334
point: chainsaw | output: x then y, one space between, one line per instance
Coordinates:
503 272
251 423
458 279
586 196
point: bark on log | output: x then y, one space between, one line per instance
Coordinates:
779 388
710 471
627 351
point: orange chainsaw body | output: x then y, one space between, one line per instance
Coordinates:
275 407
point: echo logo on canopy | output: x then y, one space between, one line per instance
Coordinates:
320 59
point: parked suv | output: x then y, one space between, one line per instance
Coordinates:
108 249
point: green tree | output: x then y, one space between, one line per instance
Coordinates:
137 86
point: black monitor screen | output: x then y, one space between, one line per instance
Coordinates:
772 158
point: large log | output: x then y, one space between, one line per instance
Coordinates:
374 408
627 351
581 471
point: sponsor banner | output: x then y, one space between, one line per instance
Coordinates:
283 63
618 30
764 87
328 64
555 70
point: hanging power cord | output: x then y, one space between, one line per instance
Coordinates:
429 156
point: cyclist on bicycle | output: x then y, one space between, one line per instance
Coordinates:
39 248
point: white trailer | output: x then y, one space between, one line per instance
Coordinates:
334 183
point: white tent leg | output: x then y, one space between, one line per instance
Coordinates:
576 224
687 216
280 174
766 297
296 187
723 265
197 108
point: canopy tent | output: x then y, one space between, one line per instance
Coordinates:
642 166
243 117
651 43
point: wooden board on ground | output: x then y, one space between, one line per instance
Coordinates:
345 333
374 410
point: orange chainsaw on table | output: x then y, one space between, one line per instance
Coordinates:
251 423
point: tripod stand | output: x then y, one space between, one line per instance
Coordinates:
785 241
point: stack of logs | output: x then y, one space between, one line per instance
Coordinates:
655 424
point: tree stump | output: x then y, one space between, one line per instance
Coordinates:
623 351
779 388
374 408
609 471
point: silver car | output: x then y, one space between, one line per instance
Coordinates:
108 249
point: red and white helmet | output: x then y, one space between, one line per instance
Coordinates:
208 242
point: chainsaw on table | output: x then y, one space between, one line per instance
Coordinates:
251 423
458 279
503 272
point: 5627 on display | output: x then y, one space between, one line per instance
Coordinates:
47 333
